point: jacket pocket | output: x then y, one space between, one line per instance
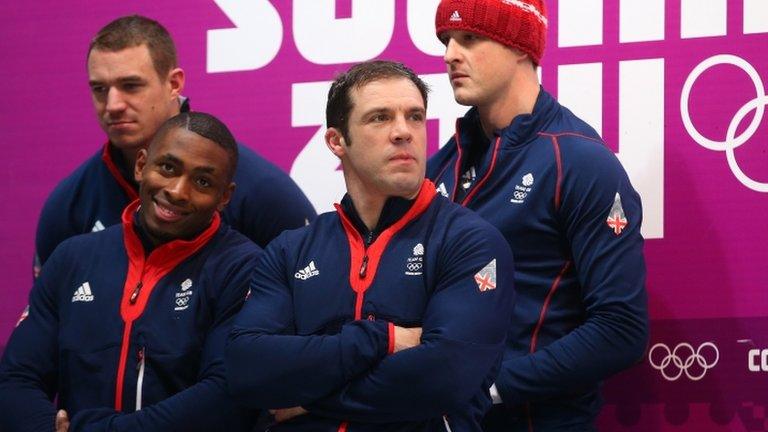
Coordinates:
87 379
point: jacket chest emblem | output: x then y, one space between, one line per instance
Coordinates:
307 272
98 226
415 263
522 189
183 295
83 293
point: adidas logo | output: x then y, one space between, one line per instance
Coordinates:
455 16
83 293
442 190
307 272
98 226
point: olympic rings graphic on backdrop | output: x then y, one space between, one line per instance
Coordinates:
732 141
674 357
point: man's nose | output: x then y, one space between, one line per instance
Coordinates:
115 100
400 129
178 189
451 51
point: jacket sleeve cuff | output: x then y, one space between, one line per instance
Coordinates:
391 333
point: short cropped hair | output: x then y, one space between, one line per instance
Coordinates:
339 103
207 126
135 30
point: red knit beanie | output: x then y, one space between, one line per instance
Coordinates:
520 24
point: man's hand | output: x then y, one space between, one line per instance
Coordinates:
62 421
407 337
286 414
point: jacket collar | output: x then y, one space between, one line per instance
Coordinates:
167 252
394 210
521 130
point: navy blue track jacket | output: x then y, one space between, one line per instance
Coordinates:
265 202
567 208
111 330
318 328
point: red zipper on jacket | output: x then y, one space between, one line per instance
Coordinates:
143 275
365 262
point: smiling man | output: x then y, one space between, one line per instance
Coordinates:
388 314
126 327
136 85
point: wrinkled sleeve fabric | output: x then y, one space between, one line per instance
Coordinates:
29 368
268 365
463 333
611 272
206 405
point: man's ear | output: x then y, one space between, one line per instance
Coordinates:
176 81
520 56
226 197
335 142
141 162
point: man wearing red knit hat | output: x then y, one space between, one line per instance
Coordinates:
564 203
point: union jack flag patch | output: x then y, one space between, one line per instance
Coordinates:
486 277
617 220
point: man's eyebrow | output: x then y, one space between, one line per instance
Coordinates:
121 80
376 110
384 109
169 157
207 169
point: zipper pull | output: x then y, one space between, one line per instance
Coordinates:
135 293
140 357
140 379
363 266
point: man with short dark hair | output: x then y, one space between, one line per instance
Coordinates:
126 327
546 180
136 85
389 314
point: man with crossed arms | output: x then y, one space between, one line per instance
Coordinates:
390 313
